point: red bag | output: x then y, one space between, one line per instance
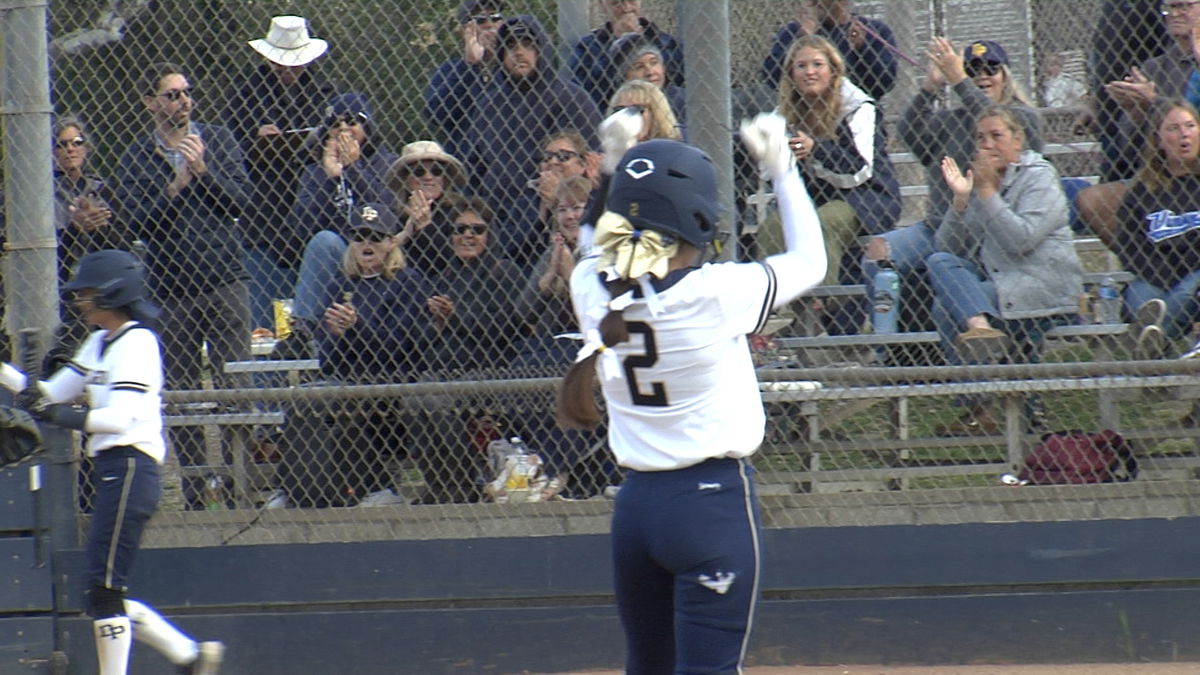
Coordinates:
1069 457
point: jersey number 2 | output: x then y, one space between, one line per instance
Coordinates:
658 393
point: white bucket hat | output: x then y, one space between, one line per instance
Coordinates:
288 44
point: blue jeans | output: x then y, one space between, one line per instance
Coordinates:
1182 304
908 249
961 291
318 268
268 281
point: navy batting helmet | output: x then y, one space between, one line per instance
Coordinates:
669 187
118 279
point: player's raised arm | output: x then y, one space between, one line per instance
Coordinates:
803 264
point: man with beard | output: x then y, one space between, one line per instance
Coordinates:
183 189
526 103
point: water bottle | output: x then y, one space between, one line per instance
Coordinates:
1108 301
886 314
215 494
520 472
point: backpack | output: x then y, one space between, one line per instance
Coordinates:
1071 457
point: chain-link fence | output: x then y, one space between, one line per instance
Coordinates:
360 226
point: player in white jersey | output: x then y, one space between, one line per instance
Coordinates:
118 372
667 335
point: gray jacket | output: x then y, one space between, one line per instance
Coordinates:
1021 239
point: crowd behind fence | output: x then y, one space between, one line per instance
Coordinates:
360 219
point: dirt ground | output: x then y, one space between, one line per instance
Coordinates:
1076 669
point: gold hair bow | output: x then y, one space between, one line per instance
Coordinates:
631 252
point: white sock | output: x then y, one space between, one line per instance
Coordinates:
149 627
113 640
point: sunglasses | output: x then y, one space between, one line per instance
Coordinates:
977 68
174 95
477 229
437 170
362 236
560 155
639 109
70 143
487 18
349 119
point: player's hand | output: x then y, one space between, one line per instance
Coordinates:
618 133
766 139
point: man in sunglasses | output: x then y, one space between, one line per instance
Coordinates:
184 188
455 84
526 103
271 109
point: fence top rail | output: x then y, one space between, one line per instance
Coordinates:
835 382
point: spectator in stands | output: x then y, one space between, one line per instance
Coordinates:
545 304
1155 81
592 61
456 84
527 102
1128 33
1060 89
1159 237
866 44
83 203
838 140
636 58
979 77
183 187
373 317
374 313
476 327
1005 256
565 155
423 176
85 222
271 109
474 300
348 169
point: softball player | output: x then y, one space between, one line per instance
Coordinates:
668 337
118 369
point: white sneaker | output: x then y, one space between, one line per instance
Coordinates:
1193 353
208 659
278 500
382 498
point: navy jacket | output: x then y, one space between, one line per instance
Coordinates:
873 68
509 123
592 69
258 98
449 98
193 242
382 345
324 203
1159 236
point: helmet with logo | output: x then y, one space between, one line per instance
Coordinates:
670 187
118 279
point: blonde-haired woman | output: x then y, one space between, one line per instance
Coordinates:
658 120
979 77
376 311
837 138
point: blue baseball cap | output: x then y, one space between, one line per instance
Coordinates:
987 51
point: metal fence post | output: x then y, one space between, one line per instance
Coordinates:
704 30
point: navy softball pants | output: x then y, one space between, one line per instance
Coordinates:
127 492
686 561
